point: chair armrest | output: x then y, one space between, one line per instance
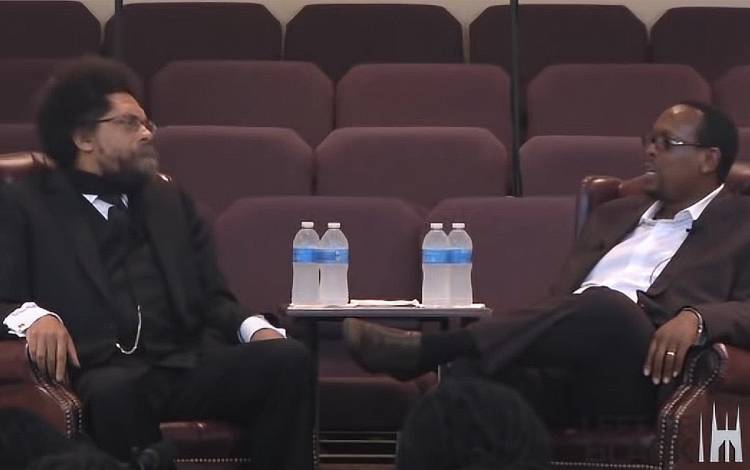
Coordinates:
725 368
22 386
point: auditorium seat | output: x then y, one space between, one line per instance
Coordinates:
557 34
294 95
154 34
21 83
47 29
555 165
608 99
18 138
425 95
336 37
519 244
732 94
710 39
420 165
744 151
254 242
218 165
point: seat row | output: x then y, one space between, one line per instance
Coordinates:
591 99
421 166
338 36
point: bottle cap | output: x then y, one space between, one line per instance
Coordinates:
459 225
334 224
308 225
436 226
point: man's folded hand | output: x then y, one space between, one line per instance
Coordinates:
51 346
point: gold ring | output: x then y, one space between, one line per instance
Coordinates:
670 353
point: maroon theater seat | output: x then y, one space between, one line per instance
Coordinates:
732 94
21 84
744 150
558 34
294 95
421 165
218 165
425 95
608 99
337 37
154 34
710 39
254 241
555 165
47 29
519 245
18 138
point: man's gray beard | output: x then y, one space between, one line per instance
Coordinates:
138 170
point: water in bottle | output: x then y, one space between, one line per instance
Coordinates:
460 261
334 266
304 266
435 267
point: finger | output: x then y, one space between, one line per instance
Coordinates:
669 361
658 363
51 356
61 358
679 361
32 342
72 353
648 366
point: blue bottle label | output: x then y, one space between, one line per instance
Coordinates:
333 256
435 256
460 256
303 255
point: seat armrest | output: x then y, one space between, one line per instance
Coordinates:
725 368
15 366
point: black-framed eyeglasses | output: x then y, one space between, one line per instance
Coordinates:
665 143
131 123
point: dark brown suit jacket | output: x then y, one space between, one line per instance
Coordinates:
710 271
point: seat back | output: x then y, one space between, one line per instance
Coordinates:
609 99
558 34
425 95
710 39
218 165
743 154
417 165
18 138
254 242
520 245
555 165
21 83
339 36
732 95
47 29
294 95
154 34
14 166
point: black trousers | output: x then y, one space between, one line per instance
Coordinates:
575 357
264 386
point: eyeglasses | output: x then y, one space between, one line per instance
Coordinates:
665 143
130 123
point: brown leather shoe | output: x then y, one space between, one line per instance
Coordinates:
381 349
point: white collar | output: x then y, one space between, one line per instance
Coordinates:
691 213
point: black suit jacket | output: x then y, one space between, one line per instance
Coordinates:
710 271
48 255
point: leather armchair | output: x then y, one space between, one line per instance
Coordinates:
714 394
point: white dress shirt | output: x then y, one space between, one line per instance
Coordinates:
19 320
633 264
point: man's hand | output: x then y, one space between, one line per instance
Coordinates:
50 346
266 334
670 344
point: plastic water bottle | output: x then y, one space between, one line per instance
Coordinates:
304 266
460 259
435 267
333 257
